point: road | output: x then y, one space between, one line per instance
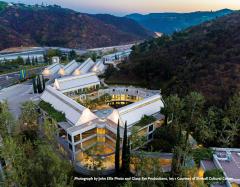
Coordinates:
16 95
9 79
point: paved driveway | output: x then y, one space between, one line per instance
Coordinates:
16 95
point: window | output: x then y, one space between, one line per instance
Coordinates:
150 136
70 146
89 133
77 138
110 133
69 137
101 131
150 128
77 147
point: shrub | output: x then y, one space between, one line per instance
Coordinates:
58 116
202 154
214 173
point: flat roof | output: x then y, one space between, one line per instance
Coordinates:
208 165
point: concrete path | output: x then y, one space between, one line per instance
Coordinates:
16 95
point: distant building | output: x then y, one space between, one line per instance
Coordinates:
52 70
99 67
116 58
69 68
85 67
227 160
55 59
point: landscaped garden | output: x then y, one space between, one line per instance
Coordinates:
58 116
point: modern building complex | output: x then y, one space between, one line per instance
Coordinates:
93 112
227 160
90 130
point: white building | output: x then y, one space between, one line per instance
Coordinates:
75 113
228 161
116 57
55 59
99 67
131 114
85 67
69 68
51 70
77 83
86 129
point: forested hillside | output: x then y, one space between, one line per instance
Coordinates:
169 23
204 58
35 25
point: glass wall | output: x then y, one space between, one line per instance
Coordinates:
89 133
89 143
77 138
111 134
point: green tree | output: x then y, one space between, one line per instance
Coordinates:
13 154
19 61
72 54
34 85
117 149
28 61
233 110
194 103
7 122
227 133
29 113
124 149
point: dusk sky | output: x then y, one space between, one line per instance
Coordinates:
122 7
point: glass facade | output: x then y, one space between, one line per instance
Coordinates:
89 133
77 138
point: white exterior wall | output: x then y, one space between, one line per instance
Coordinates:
134 112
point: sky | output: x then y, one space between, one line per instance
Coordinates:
123 7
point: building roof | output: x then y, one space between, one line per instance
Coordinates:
207 165
69 68
231 165
134 112
71 83
98 67
52 69
84 67
74 112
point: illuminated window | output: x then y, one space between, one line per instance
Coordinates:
77 138
77 147
89 143
101 139
100 131
110 133
89 133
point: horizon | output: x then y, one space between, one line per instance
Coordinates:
143 6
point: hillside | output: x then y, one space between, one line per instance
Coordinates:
55 26
204 58
170 22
